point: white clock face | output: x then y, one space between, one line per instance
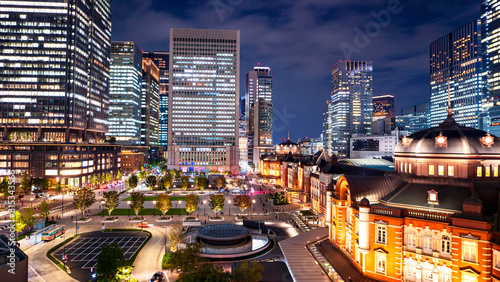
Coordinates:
488 140
440 140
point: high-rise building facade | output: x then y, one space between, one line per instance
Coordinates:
150 103
161 60
125 93
54 69
259 112
327 127
54 90
413 119
455 61
490 24
352 103
383 107
203 100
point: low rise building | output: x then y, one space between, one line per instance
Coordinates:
370 147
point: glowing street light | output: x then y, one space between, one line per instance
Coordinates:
253 204
229 206
204 205
179 202
128 210
154 208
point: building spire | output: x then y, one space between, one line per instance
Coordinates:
288 134
449 121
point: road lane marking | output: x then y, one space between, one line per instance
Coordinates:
36 272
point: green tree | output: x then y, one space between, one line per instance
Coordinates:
164 203
94 180
176 235
219 182
83 199
118 175
247 273
19 224
191 203
193 267
216 202
184 182
178 174
168 180
142 174
132 181
242 202
26 183
238 182
4 187
151 181
201 182
108 177
29 218
137 202
44 210
111 199
109 260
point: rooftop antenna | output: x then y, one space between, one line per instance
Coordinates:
288 134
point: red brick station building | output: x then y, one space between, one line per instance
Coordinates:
435 218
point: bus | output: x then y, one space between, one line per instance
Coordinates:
53 232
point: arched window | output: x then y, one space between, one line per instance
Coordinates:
445 244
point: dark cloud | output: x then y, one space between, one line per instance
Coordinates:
300 40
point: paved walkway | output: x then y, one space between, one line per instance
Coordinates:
343 266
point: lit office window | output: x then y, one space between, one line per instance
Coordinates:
431 169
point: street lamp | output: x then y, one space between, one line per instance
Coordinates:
156 189
179 202
229 206
64 247
102 202
31 202
154 208
253 204
165 233
128 210
204 205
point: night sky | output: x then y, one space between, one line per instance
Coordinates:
301 40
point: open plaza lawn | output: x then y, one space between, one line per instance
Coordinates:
172 211
154 198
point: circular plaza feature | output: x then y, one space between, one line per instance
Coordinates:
223 234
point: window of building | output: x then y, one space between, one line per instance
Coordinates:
440 170
469 277
409 168
411 243
487 171
401 167
495 171
431 169
496 259
427 248
381 234
381 263
445 244
451 171
479 171
469 250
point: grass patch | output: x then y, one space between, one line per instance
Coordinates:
110 218
166 260
308 212
154 198
56 261
173 211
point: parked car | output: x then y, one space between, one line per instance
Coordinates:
158 276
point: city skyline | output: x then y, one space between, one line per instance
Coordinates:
398 71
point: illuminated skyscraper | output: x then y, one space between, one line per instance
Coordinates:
54 69
383 107
203 100
352 103
456 59
125 93
161 61
490 24
150 100
327 127
259 112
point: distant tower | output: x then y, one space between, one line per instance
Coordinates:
352 103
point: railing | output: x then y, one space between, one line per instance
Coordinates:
430 216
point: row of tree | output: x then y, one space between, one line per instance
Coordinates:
30 218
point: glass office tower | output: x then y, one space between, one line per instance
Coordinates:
352 103
383 107
54 70
203 100
161 59
455 59
125 92
150 103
